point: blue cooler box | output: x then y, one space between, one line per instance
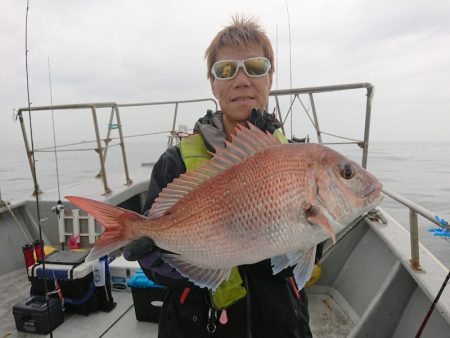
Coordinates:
148 297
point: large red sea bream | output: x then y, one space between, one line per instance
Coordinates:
255 199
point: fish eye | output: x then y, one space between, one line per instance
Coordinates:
347 171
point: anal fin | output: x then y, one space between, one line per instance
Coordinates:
303 261
202 277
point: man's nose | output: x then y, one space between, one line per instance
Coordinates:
241 78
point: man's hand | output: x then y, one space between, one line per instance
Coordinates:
148 255
138 248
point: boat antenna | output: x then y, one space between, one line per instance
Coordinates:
290 111
54 133
276 59
290 55
34 170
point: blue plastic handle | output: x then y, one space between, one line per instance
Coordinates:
441 221
440 232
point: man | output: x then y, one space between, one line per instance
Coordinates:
252 302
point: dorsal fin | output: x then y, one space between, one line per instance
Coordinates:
245 143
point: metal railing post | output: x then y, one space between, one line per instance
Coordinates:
37 190
100 152
414 235
316 120
170 143
370 91
122 146
277 103
107 139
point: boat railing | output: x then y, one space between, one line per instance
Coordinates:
276 95
100 148
415 210
295 94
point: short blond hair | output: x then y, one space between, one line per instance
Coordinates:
242 32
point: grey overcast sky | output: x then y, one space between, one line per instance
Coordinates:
140 51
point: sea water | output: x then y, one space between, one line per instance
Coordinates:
420 171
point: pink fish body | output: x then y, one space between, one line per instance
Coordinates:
254 200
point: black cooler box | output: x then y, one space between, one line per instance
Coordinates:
31 315
148 297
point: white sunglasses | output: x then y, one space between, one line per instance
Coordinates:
253 67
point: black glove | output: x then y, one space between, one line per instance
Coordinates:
264 121
138 248
148 255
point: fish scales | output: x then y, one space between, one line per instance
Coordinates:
251 208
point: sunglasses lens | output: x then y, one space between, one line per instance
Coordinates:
257 66
225 69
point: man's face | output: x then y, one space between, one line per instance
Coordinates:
237 96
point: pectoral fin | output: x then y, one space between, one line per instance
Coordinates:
315 216
202 277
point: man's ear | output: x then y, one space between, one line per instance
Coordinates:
270 82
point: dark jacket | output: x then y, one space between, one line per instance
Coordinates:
272 308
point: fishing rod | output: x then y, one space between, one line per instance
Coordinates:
36 186
430 311
59 207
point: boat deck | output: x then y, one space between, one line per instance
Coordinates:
357 295
328 319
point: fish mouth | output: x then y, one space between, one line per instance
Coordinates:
374 193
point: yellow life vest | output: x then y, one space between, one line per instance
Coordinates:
194 151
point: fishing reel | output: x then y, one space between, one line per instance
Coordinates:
57 209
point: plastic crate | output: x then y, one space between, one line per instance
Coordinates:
148 297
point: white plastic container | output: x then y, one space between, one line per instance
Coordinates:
98 269
121 270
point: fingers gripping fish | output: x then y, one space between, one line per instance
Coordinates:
255 199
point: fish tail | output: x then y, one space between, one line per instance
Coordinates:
114 219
